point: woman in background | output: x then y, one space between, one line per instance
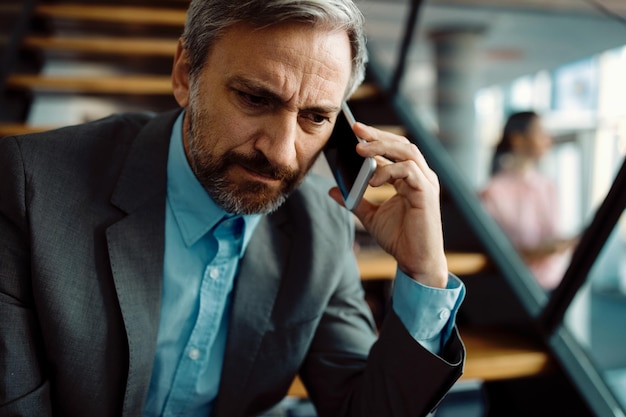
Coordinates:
524 202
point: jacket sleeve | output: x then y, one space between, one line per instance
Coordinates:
24 390
351 371
404 377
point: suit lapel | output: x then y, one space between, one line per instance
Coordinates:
136 244
256 289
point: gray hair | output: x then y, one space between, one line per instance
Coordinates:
207 20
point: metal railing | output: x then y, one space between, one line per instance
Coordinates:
547 314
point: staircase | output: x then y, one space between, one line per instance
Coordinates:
131 44
118 53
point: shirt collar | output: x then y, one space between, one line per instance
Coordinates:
195 212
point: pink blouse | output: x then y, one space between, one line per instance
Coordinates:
526 208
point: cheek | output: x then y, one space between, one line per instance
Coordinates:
308 152
540 149
234 132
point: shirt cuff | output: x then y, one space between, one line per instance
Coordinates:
428 313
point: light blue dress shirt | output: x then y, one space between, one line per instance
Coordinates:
203 245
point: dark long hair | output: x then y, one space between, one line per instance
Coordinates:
516 123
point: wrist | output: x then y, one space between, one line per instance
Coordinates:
435 279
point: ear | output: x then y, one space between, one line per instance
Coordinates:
180 75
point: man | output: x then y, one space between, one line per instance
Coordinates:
185 264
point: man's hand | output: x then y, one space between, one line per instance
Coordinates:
408 225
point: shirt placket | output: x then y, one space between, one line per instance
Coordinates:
214 289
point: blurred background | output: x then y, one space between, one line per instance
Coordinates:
447 74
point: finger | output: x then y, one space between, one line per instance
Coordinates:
397 158
382 161
388 145
394 151
406 171
388 171
370 133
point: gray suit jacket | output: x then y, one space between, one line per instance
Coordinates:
81 255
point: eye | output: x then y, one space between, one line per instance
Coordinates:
252 100
315 118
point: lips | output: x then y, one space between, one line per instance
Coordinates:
264 175
259 168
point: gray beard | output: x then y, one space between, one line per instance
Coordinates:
247 199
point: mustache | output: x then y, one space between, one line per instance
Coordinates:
259 163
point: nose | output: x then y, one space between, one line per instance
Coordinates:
278 139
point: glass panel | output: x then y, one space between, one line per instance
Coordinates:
596 315
587 125
535 192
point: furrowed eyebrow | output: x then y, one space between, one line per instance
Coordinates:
255 88
323 109
258 89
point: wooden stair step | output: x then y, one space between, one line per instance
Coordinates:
366 91
7 129
375 264
492 355
106 84
11 129
396 129
135 15
122 84
103 45
498 354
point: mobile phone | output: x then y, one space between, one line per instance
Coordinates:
352 172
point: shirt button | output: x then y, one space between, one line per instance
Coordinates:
444 314
214 273
194 354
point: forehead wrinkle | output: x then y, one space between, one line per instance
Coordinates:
300 72
262 89
296 90
313 76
